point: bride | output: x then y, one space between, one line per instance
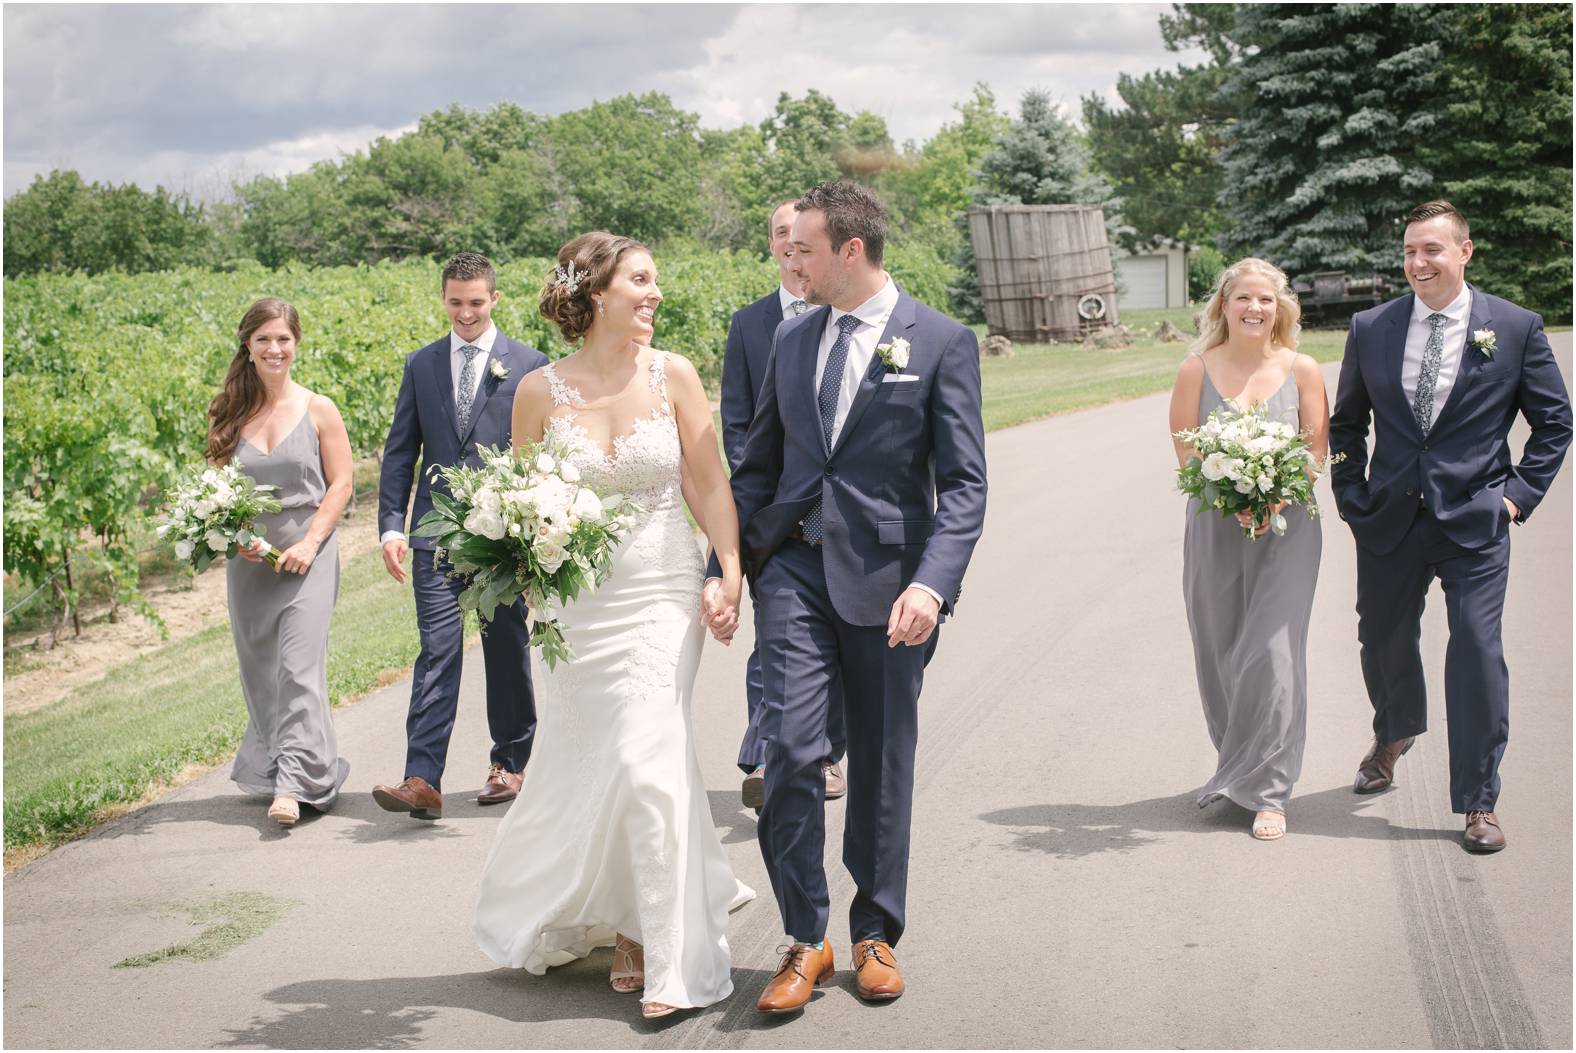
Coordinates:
611 841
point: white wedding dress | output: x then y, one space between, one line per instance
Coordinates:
612 831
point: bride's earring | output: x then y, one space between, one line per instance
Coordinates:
601 309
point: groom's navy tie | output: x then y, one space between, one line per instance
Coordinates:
467 392
1428 375
826 399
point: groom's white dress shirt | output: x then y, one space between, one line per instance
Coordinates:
456 367
1458 313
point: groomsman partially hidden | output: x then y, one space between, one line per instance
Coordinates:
743 368
457 393
1442 373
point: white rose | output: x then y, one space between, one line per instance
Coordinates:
1265 484
518 499
202 509
900 353
488 524
545 462
486 500
569 472
1244 486
1262 445
210 477
163 531
1233 469
587 507
1214 468
550 556
183 549
223 495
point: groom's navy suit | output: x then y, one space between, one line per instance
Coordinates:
902 493
1432 505
426 431
744 361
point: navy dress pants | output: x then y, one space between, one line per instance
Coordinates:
435 684
752 750
1391 591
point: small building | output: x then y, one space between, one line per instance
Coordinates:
1153 274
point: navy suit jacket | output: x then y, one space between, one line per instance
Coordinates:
1462 468
426 426
903 489
744 369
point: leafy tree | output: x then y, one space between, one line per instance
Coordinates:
61 224
932 187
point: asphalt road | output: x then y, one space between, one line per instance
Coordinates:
1065 890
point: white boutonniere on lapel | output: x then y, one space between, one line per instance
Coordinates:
894 355
498 370
1483 340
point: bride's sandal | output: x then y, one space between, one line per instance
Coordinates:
1269 826
629 973
657 1010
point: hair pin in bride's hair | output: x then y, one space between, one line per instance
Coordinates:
568 278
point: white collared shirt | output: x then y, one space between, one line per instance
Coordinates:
787 299
873 315
1458 314
456 366
457 362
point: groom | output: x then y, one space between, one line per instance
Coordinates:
1442 373
861 494
457 392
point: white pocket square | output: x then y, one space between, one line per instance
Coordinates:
898 378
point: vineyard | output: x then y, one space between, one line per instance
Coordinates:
107 378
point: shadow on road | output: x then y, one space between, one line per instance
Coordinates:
1071 831
734 825
372 824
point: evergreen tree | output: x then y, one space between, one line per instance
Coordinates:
1337 103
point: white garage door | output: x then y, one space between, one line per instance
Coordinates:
1143 280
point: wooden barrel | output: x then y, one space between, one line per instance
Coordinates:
1044 270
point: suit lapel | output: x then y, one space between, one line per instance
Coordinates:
500 354
444 382
901 320
771 317
1397 320
1472 362
803 380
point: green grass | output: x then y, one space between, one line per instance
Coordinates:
109 744
1041 380
229 921
70 764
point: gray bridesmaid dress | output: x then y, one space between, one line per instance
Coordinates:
280 625
1248 606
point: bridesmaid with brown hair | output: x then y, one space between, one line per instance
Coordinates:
280 433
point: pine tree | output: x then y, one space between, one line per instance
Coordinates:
1336 104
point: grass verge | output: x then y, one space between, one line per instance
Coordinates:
160 719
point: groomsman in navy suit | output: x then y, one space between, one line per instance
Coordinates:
1442 373
457 393
743 369
861 494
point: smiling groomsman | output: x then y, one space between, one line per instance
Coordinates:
744 364
1442 373
457 393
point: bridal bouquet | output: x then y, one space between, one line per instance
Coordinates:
524 523
1245 462
213 512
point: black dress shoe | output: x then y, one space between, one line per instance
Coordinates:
1377 770
1483 832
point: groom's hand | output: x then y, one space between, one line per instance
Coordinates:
913 618
394 550
1510 506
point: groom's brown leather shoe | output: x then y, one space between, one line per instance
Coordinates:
803 969
1483 832
415 795
877 976
1377 770
502 785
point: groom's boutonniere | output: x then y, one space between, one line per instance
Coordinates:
894 355
498 370
1483 340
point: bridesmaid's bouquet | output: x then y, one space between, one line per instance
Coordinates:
213 512
1245 462
524 523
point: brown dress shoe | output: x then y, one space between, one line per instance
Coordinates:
1377 770
803 969
876 974
1483 832
836 785
753 791
502 785
415 795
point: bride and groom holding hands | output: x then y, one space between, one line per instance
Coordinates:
854 506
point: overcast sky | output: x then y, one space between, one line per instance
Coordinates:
192 97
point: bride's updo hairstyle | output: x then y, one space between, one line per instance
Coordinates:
1212 320
566 296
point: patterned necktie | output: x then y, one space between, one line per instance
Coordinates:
467 393
826 400
1428 376
798 307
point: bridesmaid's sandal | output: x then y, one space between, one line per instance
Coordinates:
657 1010
1269 826
284 811
629 973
